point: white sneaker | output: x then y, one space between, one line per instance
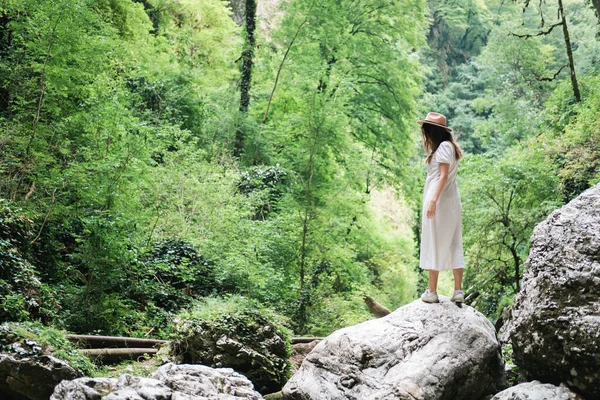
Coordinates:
458 296
430 297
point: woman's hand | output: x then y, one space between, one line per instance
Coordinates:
431 209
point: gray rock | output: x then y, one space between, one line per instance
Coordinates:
206 381
419 352
32 377
537 391
554 326
169 382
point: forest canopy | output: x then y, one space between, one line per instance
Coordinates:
158 153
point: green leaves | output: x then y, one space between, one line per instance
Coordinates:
503 199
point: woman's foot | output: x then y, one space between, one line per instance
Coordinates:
430 297
458 296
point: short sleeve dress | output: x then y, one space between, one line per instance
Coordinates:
441 236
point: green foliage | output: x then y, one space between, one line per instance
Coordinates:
573 141
265 183
123 202
22 294
214 309
503 200
180 266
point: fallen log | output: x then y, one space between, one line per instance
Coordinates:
376 309
118 354
96 342
296 340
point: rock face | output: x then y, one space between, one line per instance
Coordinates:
419 352
175 382
554 328
537 391
32 378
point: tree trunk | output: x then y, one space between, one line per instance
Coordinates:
94 341
301 339
118 354
569 52
247 63
375 308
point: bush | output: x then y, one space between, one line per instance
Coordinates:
22 294
181 266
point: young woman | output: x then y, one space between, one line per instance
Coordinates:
441 228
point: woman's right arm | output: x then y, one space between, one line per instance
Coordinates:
444 167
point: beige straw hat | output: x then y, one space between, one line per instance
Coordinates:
434 118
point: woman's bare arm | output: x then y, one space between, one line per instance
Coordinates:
444 167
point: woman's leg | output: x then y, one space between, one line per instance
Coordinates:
458 275
433 279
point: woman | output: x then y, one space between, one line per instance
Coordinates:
441 233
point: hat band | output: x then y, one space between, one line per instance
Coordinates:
433 122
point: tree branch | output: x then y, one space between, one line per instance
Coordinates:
540 33
548 79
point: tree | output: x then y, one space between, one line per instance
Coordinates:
247 63
562 22
503 200
341 118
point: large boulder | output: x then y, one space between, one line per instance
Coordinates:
537 391
181 382
420 351
554 326
32 377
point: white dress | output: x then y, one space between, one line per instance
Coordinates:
441 236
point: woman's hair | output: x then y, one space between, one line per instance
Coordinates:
433 135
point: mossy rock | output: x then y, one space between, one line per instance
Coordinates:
235 333
34 359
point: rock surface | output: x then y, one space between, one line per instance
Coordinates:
419 352
169 382
32 378
554 326
537 391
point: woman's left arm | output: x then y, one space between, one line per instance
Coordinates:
444 167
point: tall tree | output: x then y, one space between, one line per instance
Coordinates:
246 78
348 78
504 199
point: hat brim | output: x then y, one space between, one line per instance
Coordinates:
421 122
